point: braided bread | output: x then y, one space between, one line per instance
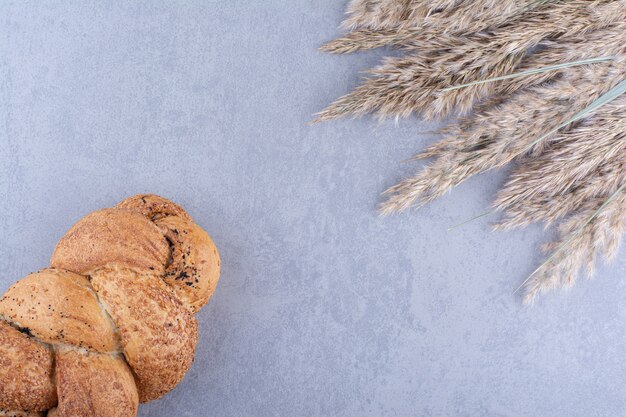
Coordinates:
111 322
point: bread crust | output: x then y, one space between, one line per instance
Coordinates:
26 372
158 332
92 384
125 280
58 307
194 268
153 206
7 413
112 236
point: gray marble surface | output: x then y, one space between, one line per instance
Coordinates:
323 308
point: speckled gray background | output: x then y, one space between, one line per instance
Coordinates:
323 308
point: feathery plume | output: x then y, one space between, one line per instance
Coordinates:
385 14
493 136
564 128
595 229
409 84
516 18
581 164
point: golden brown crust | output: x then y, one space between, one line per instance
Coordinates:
145 267
158 332
116 236
26 369
94 385
195 264
59 306
7 413
153 206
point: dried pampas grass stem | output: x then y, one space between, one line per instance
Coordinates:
537 83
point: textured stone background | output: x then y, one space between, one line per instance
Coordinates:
323 307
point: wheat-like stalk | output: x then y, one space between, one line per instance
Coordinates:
537 82
494 135
584 163
453 14
595 228
439 59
